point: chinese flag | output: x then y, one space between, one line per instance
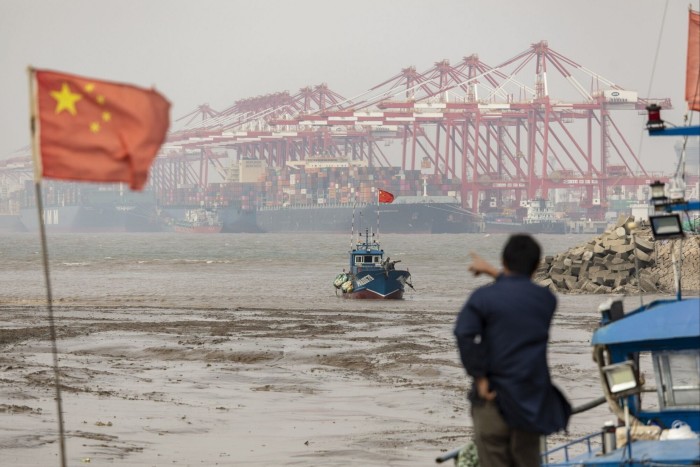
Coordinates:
692 70
385 197
97 131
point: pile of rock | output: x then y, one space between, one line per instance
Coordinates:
666 251
620 261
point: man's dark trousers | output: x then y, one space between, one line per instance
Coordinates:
498 444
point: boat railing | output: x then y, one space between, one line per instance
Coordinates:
564 452
545 453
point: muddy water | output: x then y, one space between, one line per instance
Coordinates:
235 350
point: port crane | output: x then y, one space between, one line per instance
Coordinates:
515 131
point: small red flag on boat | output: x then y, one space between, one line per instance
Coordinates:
692 72
385 197
94 130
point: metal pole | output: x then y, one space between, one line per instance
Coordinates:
680 269
52 325
636 268
628 429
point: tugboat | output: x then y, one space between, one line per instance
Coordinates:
370 275
199 221
540 219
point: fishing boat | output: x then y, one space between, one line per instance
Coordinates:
653 349
370 274
666 336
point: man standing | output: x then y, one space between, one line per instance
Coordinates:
502 333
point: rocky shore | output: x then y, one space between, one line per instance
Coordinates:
624 259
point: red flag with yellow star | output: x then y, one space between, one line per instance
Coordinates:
98 131
385 197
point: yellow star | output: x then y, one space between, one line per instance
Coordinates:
94 127
106 116
65 99
100 99
89 87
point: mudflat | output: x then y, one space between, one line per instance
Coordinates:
172 385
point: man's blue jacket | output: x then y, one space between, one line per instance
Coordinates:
502 333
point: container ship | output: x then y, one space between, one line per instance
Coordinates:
11 223
99 208
223 207
332 194
319 194
407 214
73 207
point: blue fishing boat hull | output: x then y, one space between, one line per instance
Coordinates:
379 284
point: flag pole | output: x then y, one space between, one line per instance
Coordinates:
378 205
352 225
45 258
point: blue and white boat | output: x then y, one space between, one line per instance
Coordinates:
370 274
666 336
653 349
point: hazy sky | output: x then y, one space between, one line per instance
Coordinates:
219 51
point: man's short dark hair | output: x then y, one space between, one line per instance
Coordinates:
521 254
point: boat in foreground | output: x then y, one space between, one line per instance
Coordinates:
666 336
655 348
370 275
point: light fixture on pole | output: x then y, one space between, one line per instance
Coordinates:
658 192
654 122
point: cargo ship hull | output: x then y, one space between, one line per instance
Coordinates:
93 219
239 220
432 218
531 228
12 223
229 219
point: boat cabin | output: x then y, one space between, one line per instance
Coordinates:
661 344
366 255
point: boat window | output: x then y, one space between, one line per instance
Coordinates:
645 364
678 373
367 259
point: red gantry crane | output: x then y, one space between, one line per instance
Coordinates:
504 133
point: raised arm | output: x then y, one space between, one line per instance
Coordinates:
481 266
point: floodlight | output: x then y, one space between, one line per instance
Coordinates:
621 378
666 226
658 192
